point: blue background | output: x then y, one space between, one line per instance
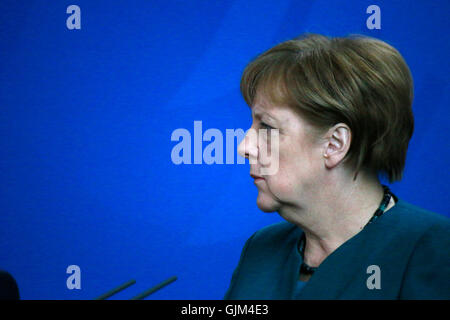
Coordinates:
86 118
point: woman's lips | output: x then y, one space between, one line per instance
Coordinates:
257 178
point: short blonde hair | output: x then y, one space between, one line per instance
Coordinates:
360 81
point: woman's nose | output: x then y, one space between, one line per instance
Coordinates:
248 148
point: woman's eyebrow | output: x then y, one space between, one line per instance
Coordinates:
259 115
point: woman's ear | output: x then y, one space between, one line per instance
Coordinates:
337 144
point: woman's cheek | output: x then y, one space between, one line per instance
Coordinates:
280 186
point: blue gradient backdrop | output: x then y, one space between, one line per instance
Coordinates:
86 118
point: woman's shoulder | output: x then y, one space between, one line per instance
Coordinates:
414 219
404 223
427 235
410 229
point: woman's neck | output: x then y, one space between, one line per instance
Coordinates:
319 247
336 216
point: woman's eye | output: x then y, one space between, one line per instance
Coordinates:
265 126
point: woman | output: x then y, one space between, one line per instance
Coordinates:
342 110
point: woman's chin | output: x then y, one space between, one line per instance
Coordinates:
266 204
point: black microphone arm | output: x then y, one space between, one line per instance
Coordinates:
116 290
154 289
140 296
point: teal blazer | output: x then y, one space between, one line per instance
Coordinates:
410 246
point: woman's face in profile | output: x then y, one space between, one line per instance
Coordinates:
300 158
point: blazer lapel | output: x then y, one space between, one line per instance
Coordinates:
338 269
